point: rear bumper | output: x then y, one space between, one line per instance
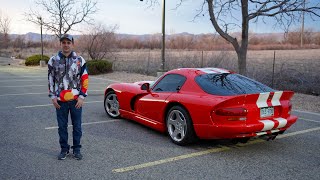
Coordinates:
262 127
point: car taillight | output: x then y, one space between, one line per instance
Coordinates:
232 111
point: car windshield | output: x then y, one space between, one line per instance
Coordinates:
230 84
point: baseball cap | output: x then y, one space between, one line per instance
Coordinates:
66 36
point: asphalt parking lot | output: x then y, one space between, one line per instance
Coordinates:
122 149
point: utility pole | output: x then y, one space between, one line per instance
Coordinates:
163 35
40 20
163 46
302 25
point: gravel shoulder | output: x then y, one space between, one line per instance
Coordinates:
304 102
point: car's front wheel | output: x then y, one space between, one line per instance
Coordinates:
111 104
179 126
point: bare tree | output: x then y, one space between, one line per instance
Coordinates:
294 36
99 42
4 24
182 42
224 17
4 30
19 42
316 39
154 42
60 16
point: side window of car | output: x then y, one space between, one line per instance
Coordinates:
170 83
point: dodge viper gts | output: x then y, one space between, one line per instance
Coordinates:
204 103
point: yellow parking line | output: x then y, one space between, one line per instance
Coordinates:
201 153
162 161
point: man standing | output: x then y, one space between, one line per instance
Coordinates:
68 84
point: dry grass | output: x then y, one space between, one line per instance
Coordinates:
306 102
295 70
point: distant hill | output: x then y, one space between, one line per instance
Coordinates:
36 37
277 36
33 36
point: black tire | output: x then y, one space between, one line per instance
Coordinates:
179 126
111 105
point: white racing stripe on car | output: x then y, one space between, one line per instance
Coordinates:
282 122
219 70
267 125
207 70
276 98
262 100
213 70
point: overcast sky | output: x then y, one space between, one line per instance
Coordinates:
135 17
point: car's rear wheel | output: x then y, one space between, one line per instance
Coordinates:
111 105
179 126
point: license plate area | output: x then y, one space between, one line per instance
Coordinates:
266 112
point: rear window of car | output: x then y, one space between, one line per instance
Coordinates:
226 84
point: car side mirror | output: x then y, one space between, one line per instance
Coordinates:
145 86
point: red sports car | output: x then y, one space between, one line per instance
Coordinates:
205 103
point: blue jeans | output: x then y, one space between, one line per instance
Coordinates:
62 118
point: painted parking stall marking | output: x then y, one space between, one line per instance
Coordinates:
309 120
39 85
205 152
22 94
88 123
45 105
22 80
162 161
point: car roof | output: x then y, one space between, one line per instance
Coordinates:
199 71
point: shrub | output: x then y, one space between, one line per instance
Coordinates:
35 60
99 67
